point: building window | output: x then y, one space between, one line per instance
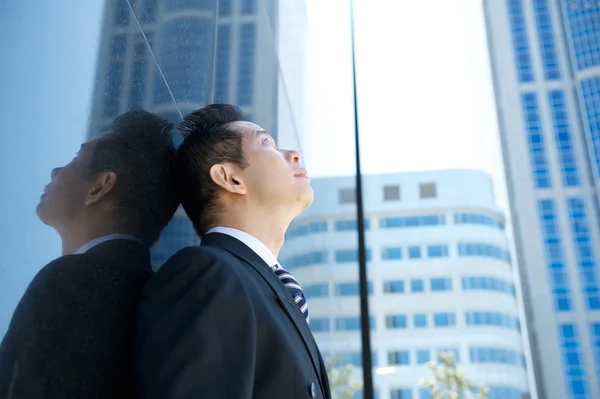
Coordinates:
316 290
306 229
590 91
414 252
520 41
424 393
396 321
393 287
347 196
554 255
351 224
496 355
391 193
412 221
417 285
399 358
478 218
420 320
392 253
248 6
573 361
401 393
423 356
427 190
444 319
471 283
222 63
351 323
484 250
441 284
535 140
349 289
319 324
494 319
543 21
584 251
583 28
224 7
350 255
245 85
563 138
595 336
305 260
437 251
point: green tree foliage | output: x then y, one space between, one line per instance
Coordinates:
449 382
340 379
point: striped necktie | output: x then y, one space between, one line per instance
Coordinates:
292 285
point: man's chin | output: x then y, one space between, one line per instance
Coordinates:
41 214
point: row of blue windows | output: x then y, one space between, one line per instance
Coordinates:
518 30
245 83
421 356
412 221
222 63
495 392
573 362
546 39
437 284
497 355
414 252
486 250
583 17
584 251
477 218
554 254
420 320
590 91
494 319
563 137
396 253
595 336
535 140
395 222
448 319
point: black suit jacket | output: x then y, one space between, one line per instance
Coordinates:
216 323
71 334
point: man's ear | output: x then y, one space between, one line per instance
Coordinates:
228 176
103 184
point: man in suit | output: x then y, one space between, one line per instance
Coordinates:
71 333
224 320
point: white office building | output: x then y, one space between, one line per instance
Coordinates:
440 279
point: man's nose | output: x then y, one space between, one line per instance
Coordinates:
54 172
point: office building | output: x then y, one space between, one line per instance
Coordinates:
545 60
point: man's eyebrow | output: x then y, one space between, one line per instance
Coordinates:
261 132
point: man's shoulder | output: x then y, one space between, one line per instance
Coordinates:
201 254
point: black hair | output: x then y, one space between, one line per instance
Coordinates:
208 140
139 149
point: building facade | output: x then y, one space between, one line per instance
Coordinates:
174 56
439 274
545 60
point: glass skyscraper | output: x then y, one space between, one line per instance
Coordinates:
545 59
209 51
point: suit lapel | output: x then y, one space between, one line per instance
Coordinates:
284 297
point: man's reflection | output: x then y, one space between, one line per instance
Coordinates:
70 336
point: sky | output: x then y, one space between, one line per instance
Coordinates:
424 89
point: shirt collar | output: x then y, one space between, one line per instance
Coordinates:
253 243
86 247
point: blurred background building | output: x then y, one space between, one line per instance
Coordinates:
545 58
440 278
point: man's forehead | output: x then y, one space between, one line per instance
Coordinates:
249 129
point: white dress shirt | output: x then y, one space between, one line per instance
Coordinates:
87 246
253 243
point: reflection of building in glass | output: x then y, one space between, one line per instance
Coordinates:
439 272
209 51
545 57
